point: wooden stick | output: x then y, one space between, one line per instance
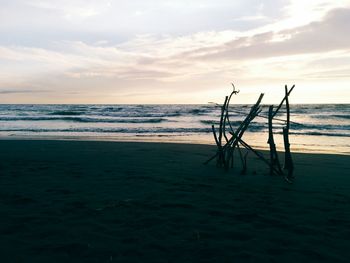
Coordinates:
253 113
218 139
215 136
288 165
287 105
273 152
223 108
233 141
285 97
227 119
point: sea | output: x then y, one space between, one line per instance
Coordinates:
323 128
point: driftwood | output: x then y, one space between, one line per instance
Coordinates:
288 161
228 140
287 93
274 162
225 152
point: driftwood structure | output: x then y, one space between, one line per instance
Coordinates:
228 140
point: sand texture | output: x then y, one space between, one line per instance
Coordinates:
71 201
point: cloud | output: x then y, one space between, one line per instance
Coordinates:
200 62
323 36
23 91
116 21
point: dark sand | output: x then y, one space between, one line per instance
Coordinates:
146 202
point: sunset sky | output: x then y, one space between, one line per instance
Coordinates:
159 51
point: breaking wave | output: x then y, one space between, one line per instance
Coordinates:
86 119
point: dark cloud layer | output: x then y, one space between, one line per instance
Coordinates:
22 91
327 35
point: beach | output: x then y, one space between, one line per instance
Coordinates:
99 201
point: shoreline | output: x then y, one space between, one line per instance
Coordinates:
159 139
314 129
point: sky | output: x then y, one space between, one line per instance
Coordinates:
160 51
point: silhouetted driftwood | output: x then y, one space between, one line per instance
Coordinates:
288 162
285 97
224 154
227 143
238 134
274 161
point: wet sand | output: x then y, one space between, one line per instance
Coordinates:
75 201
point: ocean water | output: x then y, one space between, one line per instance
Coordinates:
315 128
